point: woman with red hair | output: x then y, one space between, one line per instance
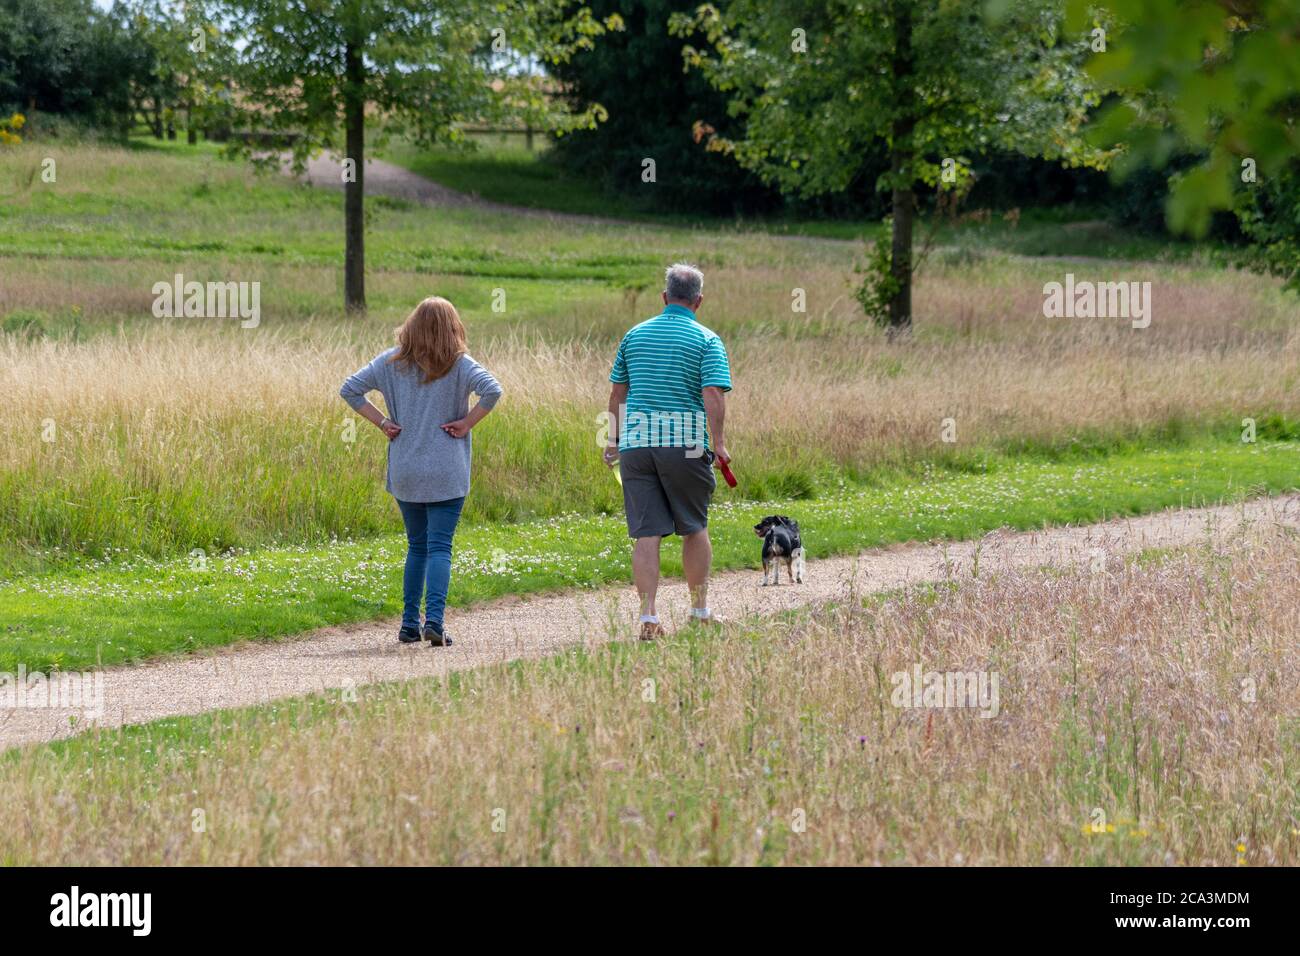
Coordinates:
426 381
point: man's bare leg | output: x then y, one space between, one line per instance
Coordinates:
697 556
645 573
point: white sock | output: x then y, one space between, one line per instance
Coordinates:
700 612
649 618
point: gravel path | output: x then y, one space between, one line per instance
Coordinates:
354 655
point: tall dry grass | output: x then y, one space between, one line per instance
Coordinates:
188 434
1147 716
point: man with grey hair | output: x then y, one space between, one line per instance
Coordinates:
667 408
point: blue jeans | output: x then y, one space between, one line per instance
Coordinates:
429 530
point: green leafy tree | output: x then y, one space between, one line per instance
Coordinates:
316 71
821 83
172 37
1269 217
156 88
655 109
1220 78
66 57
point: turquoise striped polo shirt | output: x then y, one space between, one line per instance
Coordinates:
665 361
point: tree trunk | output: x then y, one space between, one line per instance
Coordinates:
901 167
900 306
354 226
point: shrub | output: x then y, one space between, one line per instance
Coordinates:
1269 214
9 128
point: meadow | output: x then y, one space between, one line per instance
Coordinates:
1146 716
163 436
189 483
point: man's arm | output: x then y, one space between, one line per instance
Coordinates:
617 398
715 410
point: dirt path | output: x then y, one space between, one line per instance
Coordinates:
354 655
386 179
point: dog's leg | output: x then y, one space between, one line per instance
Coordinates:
798 565
765 564
789 570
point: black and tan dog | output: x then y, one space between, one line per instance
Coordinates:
781 543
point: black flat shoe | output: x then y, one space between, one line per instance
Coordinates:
409 635
435 636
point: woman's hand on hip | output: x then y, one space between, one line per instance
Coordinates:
390 428
457 429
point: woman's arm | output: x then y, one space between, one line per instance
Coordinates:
488 390
386 424
461 426
354 391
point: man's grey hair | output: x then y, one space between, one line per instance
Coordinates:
683 281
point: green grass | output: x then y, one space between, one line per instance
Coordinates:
125 608
284 481
166 205
505 172
501 169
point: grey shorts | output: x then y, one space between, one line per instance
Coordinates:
665 491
